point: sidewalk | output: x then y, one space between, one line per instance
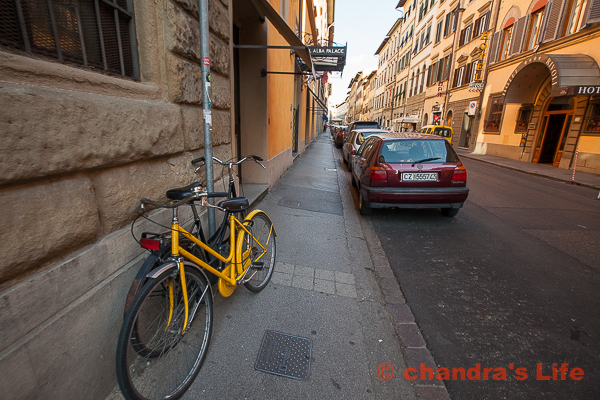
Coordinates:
586 179
325 288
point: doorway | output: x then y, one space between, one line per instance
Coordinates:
465 133
552 138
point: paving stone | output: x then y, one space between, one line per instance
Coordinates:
324 274
281 278
324 286
343 289
343 277
285 268
304 271
302 282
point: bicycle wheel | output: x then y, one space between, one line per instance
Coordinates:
165 362
253 254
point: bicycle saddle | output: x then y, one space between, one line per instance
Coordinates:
236 204
182 192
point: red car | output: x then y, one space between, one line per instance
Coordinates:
409 170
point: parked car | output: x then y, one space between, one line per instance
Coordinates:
443 131
409 170
338 137
355 139
361 125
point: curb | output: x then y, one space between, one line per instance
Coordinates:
415 349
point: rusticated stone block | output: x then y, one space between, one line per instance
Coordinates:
221 129
219 56
193 127
182 33
119 190
67 131
185 81
221 92
42 221
191 6
218 18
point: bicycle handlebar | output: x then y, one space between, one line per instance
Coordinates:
254 157
175 204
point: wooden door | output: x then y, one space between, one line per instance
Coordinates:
562 141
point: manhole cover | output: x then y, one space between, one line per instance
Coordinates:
331 169
289 203
284 355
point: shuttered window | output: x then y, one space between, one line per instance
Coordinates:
573 16
519 32
507 35
98 34
534 29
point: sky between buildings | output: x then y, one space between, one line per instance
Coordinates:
362 24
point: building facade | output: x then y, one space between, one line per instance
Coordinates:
101 106
541 101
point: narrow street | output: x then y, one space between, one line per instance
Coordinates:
510 282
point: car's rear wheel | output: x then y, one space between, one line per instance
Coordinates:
450 212
364 209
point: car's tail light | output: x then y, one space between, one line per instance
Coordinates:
378 176
353 152
460 175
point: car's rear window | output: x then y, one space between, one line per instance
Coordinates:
409 151
445 132
365 126
363 135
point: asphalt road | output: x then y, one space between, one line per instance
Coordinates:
512 283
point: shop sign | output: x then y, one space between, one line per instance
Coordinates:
440 91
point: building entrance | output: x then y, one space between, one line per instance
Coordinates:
553 133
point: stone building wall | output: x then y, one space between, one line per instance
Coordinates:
79 149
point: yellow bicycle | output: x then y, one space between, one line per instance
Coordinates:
167 329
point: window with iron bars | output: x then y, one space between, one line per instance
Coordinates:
98 34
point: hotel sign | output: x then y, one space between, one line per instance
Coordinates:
482 47
328 58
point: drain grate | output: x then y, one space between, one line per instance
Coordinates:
284 355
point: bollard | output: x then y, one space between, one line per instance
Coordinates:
575 166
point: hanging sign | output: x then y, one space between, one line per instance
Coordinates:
328 58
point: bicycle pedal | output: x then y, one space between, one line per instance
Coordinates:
258 266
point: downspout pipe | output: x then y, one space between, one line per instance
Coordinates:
206 110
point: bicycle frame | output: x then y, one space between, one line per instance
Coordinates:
235 257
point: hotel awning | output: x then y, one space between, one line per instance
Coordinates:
571 75
284 30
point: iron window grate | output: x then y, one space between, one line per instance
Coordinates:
97 34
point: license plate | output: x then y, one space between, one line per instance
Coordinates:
419 176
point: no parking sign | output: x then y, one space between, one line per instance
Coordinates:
472 108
